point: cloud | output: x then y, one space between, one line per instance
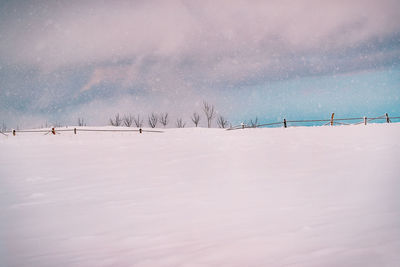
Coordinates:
53 34
112 74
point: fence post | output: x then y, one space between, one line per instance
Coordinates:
284 123
74 130
333 114
365 120
14 132
387 118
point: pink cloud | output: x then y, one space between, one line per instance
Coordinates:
85 32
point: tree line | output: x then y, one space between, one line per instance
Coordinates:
163 119
153 120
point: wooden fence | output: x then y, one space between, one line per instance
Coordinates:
285 123
55 131
332 121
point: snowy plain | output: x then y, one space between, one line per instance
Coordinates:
301 196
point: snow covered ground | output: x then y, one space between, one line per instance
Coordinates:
306 196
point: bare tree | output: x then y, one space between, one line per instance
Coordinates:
117 121
128 120
209 111
138 121
254 123
222 122
153 120
3 127
164 119
180 123
81 122
46 124
195 118
57 124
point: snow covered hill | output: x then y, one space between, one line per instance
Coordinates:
306 196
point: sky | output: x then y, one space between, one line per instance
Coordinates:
64 60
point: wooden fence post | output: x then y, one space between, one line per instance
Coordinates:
74 130
387 118
365 120
333 114
284 123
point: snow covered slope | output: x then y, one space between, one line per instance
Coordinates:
307 196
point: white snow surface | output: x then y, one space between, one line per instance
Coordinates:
301 196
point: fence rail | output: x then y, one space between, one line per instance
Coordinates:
332 121
55 131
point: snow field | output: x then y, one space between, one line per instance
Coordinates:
305 196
